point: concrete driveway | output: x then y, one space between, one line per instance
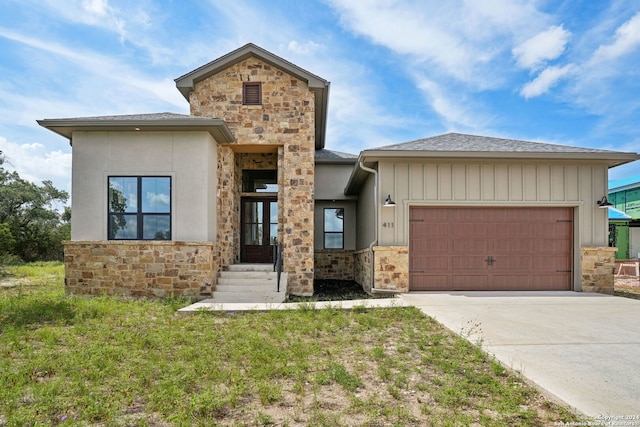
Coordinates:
581 348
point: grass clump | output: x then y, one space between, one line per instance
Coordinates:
106 361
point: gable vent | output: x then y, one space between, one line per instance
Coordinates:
252 93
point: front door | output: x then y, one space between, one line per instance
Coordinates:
259 229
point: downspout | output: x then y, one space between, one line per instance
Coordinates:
375 218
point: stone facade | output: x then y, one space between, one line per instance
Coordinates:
153 269
334 264
391 268
598 265
362 268
283 124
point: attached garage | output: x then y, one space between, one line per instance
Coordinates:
490 248
467 212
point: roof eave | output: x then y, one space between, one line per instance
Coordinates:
336 161
217 128
358 176
611 158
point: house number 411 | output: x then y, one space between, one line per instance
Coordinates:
387 224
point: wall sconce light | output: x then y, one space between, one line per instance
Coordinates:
604 203
389 202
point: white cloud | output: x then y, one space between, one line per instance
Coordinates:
544 46
545 80
95 7
457 114
304 48
461 39
35 163
108 70
627 39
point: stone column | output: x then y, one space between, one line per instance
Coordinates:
598 264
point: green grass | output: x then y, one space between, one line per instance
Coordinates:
103 361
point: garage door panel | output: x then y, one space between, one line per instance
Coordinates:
551 263
423 282
471 230
491 248
429 263
470 245
552 246
513 262
470 281
431 246
509 282
469 263
422 229
510 245
514 230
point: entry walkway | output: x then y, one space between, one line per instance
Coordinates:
581 348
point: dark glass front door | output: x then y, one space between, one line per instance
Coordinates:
259 229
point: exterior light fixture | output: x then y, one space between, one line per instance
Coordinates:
389 202
604 203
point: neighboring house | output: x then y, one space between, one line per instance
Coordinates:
624 225
162 203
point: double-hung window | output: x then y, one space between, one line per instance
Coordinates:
334 228
139 208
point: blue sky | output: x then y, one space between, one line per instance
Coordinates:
555 71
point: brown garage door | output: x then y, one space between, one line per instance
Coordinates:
490 248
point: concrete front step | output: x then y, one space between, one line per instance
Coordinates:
270 286
251 267
250 283
244 297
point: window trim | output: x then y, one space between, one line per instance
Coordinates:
139 214
249 98
324 228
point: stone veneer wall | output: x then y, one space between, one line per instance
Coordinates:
153 269
285 120
392 268
334 264
228 207
362 268
598 265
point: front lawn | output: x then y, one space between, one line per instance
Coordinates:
104 361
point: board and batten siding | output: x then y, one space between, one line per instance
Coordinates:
494 184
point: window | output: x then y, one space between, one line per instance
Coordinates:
260 181
139 208
334 228
252 93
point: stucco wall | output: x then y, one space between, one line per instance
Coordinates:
366 215
184 156
331 180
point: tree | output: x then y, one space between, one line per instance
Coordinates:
32 227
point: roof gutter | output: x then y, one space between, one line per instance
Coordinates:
613 158
375 220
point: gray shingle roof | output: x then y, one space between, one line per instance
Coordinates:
135 117
457 142
148 122
335 155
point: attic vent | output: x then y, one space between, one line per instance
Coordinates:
252 93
